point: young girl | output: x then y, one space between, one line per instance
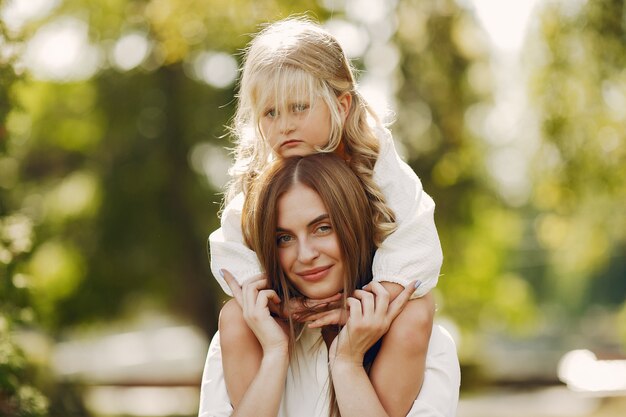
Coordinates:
298 96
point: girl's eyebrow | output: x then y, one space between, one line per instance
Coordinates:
318 219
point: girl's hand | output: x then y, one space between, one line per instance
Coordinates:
255 299
369 318
336 315
297 305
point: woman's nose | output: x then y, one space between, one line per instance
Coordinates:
307 252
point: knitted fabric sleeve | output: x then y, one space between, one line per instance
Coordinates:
412 251
228 250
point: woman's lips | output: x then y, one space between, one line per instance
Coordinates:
315 274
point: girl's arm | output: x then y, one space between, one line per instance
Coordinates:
412 251
227 249
370 315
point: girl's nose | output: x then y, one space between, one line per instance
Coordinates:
307 252
286 123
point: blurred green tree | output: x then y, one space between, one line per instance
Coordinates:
445 82
18 378
577 57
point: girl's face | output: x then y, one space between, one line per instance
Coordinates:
302 127
308 248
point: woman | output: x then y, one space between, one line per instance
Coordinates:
311 226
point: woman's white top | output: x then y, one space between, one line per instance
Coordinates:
411 252
306 387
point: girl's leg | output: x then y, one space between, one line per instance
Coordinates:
398 370
241 351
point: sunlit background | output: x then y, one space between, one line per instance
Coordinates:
113 154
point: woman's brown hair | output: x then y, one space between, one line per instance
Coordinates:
350 210
345 199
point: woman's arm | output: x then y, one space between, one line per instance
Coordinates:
397 373
439 396
264 394
262 397
370 315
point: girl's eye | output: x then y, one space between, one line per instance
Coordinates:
283 240
299 107
271 113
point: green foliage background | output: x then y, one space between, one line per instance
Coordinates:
102 214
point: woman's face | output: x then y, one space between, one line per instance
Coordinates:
308 247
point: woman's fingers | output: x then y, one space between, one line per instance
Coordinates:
367 302
354 307
381 297
234 286
265 297
250 292
400 301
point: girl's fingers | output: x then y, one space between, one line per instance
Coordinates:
313 316
297 305
326 319
328 300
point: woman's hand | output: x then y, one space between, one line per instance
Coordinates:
255 299
369 316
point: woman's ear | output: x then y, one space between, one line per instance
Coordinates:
345 102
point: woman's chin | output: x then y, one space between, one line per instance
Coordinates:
319 295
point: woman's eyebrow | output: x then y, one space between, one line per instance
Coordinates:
318 219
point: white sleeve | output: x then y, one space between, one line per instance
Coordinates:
439 396
228 250
214 400
412 251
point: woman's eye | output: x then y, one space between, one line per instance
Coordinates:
270 113
324 229
283 240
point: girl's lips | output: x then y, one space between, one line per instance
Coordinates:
290 143
315 274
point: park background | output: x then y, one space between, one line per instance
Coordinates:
113 156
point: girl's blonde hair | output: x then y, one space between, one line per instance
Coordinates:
351 214
296 57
